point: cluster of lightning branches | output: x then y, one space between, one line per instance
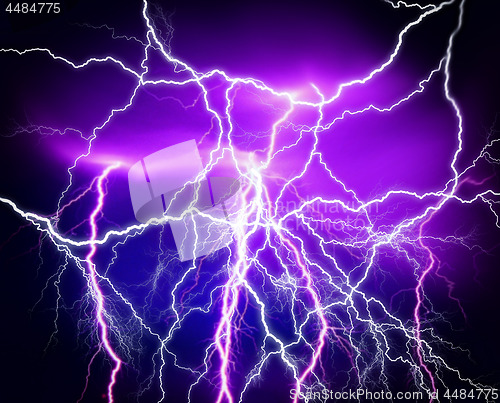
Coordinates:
326 303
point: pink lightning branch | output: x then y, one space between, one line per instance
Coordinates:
97 293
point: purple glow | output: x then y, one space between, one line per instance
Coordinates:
366 205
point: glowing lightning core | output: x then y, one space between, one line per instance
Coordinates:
324 298
98 296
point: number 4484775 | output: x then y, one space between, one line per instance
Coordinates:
35 8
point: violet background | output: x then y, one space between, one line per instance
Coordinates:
287 45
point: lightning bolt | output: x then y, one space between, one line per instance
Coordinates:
271 269
98 295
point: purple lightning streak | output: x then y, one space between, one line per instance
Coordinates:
73 201
224 332
317 306
418 293
97 293
311 257
87 377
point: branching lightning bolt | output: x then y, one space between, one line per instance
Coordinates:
325 300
